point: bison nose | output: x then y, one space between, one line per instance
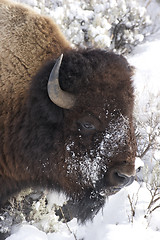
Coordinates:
122 179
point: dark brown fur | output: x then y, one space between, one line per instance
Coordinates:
45 145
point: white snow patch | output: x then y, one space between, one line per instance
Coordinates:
56 198
138 163
146 61
28 232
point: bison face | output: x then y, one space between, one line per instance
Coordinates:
99 157
99 145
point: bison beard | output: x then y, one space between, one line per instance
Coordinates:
85 208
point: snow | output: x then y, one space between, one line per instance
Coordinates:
88 163
27 232
146 60
125 214
112 223
138 163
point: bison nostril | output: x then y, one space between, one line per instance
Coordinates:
122 178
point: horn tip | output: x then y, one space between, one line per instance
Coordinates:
61 57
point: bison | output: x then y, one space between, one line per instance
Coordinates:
65 114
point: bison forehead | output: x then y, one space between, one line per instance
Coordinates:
89 165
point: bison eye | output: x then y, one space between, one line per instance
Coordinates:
88 126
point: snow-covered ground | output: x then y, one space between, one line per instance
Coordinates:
126 215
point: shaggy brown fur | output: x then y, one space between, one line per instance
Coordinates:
27 40
84 151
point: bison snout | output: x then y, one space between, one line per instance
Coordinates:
122 179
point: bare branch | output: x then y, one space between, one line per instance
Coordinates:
67 224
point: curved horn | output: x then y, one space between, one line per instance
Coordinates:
56 94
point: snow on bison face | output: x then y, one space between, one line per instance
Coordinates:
104 157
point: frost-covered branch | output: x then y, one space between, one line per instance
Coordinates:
119 25
154 202
133 204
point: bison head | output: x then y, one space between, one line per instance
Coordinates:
93 156
99 146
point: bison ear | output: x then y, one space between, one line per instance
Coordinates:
56 94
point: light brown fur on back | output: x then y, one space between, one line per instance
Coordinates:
27 41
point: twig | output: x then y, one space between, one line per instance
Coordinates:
148 3
133 204
67 224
